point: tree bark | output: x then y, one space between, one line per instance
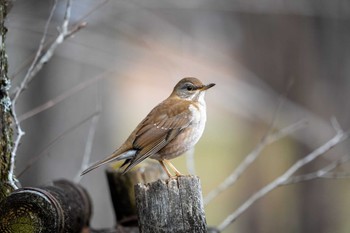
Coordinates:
174 205
121 187
7 182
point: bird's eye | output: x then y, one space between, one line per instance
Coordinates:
189 87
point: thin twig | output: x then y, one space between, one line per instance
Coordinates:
321 173
338 138
29 75
251 157
335 124
41 57
190 162
37 64
267 139
63 96
336 175
89 143
281 101
45 57
80 24
19 131
54 141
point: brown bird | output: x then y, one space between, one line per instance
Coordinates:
170 129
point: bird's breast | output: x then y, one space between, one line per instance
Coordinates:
188 137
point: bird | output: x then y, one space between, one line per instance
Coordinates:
170 129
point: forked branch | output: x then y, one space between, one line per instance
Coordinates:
287 177
251 157
40 59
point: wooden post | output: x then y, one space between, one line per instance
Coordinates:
174 205
121 187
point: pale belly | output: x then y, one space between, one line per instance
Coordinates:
185 141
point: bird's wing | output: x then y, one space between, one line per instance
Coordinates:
158 129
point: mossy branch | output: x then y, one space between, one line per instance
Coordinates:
7 180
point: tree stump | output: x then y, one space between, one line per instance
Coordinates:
171 206
121 187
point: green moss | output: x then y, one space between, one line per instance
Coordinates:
24 224
21 220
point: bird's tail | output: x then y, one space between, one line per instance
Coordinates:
113 157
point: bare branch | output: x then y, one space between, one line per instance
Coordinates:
321 173
54 141
267 139
45 57
335 124
63 96
336 175
28 75
251 157
23 84
42 58
74 29
38 62
338 138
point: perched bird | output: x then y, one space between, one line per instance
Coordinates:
170 129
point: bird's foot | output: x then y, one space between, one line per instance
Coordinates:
177 175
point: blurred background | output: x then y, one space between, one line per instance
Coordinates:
251 49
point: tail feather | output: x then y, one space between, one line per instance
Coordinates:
113 157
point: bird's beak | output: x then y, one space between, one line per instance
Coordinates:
206 87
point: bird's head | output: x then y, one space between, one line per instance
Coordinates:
190 89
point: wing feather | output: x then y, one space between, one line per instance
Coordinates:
159 128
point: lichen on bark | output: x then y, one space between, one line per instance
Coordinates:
6 137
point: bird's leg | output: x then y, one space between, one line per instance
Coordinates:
165 168
177 173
